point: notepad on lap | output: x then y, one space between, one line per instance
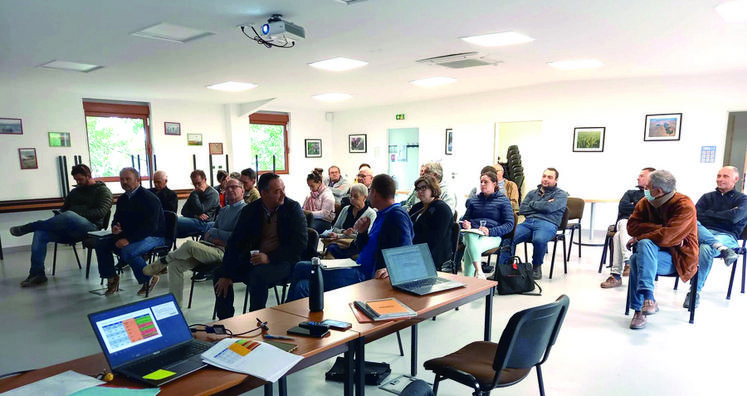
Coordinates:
339 263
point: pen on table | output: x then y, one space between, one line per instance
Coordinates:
276 337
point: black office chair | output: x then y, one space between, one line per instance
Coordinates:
559 236
72 244
525 343
608 247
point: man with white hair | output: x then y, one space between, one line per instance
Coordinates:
436 170
167 196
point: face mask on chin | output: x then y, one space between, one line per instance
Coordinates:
648 195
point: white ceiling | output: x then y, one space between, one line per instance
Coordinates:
632 37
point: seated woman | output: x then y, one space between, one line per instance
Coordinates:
350 214
432 219
490 214
320 203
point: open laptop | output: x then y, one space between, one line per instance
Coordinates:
148 341
411 269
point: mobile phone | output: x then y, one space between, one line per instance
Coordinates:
336 324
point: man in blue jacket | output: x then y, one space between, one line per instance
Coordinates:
543 209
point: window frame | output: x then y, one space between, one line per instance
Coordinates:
137 111
281 119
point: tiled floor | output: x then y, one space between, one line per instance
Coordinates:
596 353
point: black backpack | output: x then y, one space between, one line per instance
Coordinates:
515 277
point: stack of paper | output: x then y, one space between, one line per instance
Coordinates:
338 263
251 357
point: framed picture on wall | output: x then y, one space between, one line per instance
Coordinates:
172 128
216 148
588 139
11 126
449 142
59 139
194 139
27 156
357 143
662 127
313 148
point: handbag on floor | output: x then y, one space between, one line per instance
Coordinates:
375 373
515 277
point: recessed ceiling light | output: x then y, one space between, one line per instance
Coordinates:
576 64
338 64
232 86
332 97
71 66
433 81
733 11
169 32
498 39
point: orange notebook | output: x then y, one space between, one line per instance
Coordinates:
384 309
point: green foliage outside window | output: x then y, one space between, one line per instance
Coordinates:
266 141
111 143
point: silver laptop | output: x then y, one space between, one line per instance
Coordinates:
148 341
411 269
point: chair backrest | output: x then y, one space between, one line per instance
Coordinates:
564 222
311 245
744 234
575 208
454 237
529 335
107 219
510 235
170 222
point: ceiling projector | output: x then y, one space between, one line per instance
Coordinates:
276 27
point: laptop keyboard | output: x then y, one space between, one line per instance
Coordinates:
149 365
418 284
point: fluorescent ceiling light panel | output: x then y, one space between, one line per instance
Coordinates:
433 81
70 66
733 11
498 39
232 86
576 64
173 33
332 97
338 64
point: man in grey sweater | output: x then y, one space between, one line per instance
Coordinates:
208 251
200 208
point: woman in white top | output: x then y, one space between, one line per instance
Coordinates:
349 215
320 203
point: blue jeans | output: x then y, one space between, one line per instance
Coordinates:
706 238
131 254
340 253
66 227
188 226
320 225
537 231
647 262
333 279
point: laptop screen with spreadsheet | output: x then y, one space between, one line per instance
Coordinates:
409 263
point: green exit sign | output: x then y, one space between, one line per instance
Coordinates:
400 117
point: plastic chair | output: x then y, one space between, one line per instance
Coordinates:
575 213
525 343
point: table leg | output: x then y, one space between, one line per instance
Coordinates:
268 389
414 351
591 222
360 375
283 386
88 262
489 313
349 369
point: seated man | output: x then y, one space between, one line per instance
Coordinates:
209 251
249 178
365 177
436 170
200 208
392 228
620 254
339 186
168 198
664 227
138 226
269 238
84 210
722 213
543 209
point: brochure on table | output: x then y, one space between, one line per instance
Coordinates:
251 357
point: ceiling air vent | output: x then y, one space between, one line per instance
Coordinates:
460 61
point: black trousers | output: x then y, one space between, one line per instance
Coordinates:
258 278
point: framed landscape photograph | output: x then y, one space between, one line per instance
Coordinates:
172 128
662 127
194 139
11 126
449 142
59 139
357 143
27 156
588 139
313 148
216 148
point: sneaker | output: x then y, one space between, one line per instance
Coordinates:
729 256
611 282
154 269
639 321
34 280
537 272
150 285
686 304
626 270
650 307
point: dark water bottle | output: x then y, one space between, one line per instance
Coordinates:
316 286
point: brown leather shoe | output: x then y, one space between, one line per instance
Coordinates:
639 321
650 307
150 285
611 282
626 270
112 285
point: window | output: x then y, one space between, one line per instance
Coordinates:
268 135
118 137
